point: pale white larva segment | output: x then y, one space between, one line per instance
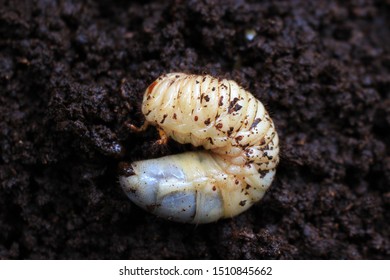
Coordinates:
231 174
187 188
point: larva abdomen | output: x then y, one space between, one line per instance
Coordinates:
238 163
187 188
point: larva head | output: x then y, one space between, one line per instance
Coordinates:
151 87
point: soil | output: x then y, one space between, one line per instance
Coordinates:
72 73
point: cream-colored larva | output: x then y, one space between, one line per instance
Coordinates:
231 174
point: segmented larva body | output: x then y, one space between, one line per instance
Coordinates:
231 174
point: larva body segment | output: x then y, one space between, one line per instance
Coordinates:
231 174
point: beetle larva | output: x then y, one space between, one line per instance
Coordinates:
231 174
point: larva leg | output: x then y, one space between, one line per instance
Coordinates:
163 137
136 129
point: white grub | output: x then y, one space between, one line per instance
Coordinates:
236 167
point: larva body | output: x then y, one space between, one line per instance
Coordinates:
231 174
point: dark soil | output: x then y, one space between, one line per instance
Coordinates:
73 72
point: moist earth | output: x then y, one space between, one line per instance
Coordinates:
73 73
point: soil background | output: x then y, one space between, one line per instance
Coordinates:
72 73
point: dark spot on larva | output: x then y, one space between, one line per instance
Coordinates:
204 79
197 81
265 154
219 126
255 122
214 188
263 173
242 202
213 89
211 141
177 76
148 112
196 118
237 107
230 131
236 182
262 142
220 102
164 117
207 98
207 122
248 186
174 116
232 105
239 138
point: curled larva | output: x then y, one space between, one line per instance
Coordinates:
231 174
